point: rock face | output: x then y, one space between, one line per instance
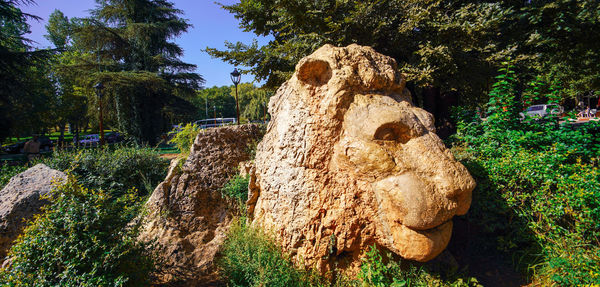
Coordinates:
21 199
348 161
187 217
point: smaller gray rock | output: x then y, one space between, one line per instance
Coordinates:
21 199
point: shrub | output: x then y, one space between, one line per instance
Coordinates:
81 239
7 172
538 192
251 258
379 271
113 170
184 139
236 189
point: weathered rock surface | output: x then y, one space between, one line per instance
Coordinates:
348 161
187 217
21 199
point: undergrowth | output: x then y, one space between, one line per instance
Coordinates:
84 237
251 257
184 138
538 193
236 191
113 170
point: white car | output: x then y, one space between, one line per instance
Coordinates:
218 122
540 111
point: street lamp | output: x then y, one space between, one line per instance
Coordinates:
235 78
264 112
215 114
99 87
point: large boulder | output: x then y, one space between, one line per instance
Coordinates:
187 217
348 161
21 199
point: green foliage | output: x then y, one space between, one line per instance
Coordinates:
184 139
538 193
449 44
374 272
220 102
128 46
24 89
236 189
7 172
251 258
379 271
503 108
59 29
112 170
83 238
253 101
559 40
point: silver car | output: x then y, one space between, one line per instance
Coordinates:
540 111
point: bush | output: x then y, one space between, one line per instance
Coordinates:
538 193
184 139
113 170
236 190
377 271
7 172
81 239
251 258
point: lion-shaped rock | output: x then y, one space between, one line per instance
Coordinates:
348 161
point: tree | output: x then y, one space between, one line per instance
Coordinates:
450 50
251 100
59 29
560 42
20 88
130 41
442 46
215 102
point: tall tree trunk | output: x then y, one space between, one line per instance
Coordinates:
76 138
438 105
431 98
61 137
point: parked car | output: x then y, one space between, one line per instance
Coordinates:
540 111
211 123
45 145
90 140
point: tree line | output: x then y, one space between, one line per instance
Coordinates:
128 47
450 50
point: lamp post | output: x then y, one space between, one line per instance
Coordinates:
235 78
264 112
215 114
99 87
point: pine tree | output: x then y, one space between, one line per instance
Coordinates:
137 62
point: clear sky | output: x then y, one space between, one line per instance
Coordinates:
212 26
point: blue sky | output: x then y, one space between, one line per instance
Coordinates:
212 27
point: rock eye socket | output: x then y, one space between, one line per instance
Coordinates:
393 132
386 134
